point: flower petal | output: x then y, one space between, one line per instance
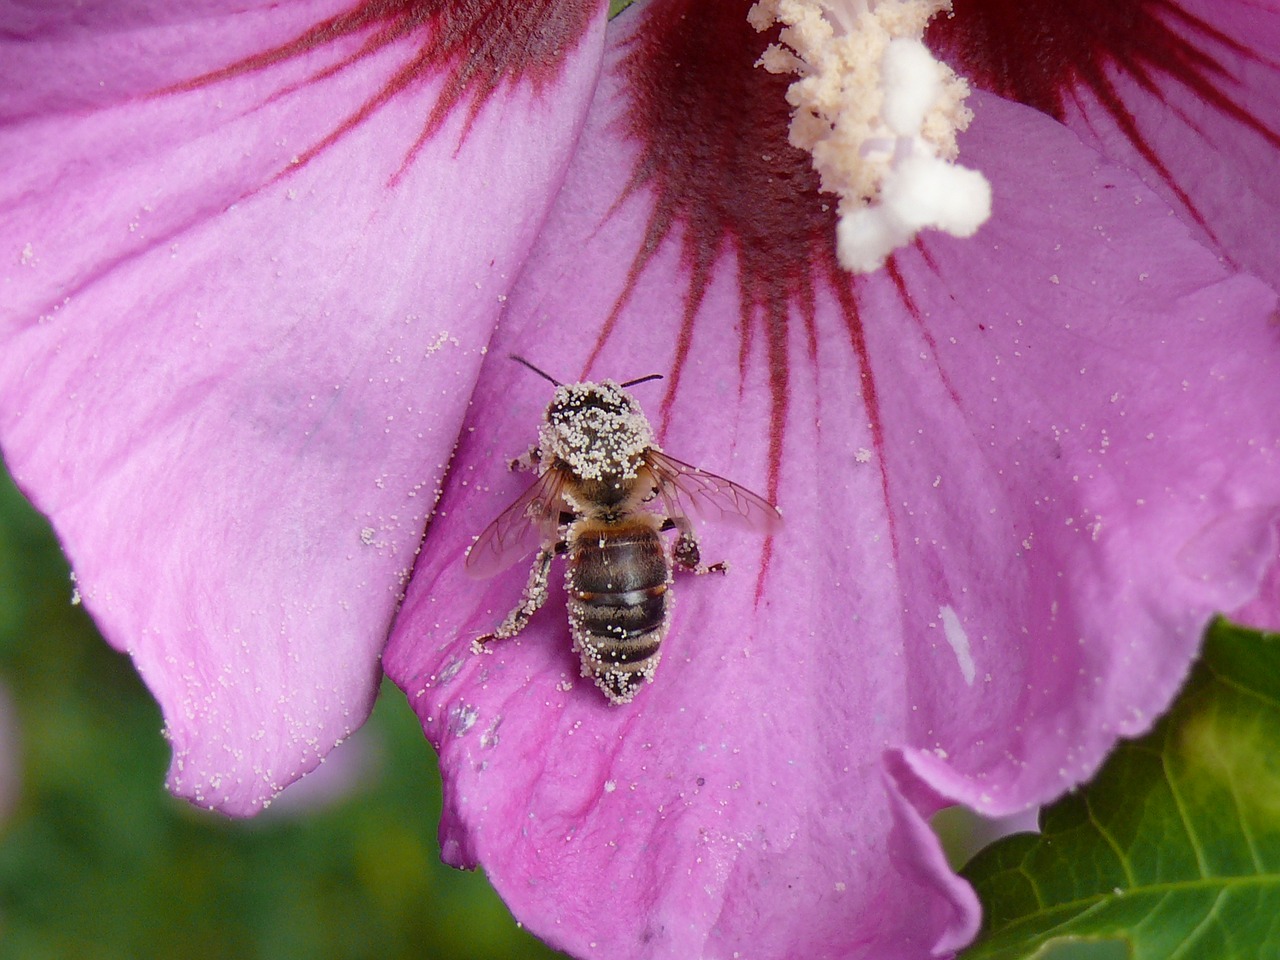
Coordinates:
1109 459
989 458
1187 92
234 380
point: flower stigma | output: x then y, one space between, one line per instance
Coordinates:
879 115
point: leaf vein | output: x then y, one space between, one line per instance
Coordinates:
1243 824
1191 937
1083 906
1193 839
1251 692
1111 842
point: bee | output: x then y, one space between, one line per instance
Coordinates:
604 494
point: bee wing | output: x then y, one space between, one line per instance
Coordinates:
685 488
532 520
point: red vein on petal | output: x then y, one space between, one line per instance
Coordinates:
904 294
1106 93
684 339
858 340
655 233
476 46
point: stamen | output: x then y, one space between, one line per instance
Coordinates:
879 114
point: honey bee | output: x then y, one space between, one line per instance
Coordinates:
604 494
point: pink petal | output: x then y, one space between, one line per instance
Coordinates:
355 766
1023 430
233 382
1263 610
1112 456
1186 92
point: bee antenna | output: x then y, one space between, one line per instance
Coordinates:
542 373
652 376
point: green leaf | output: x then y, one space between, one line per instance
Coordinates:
617 6
1173 851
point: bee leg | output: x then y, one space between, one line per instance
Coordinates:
687 555
535 595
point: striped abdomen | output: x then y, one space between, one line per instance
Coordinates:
617 581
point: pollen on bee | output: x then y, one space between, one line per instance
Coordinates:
597 429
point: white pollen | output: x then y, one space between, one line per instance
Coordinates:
959 641
912 83
880 116
598 429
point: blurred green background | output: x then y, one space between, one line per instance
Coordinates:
98 862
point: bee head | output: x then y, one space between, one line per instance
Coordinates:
597 429
577 402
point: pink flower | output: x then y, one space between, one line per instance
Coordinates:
246 323
243 319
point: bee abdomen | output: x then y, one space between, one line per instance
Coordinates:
605 561
618 606
622 616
